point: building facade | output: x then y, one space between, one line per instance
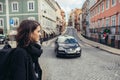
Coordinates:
48 18
77 12
74 18
12 12
86 16
63 20
58 18
105 17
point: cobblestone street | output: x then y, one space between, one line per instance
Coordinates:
94 64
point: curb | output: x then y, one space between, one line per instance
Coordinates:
100 46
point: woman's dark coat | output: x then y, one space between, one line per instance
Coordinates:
22 63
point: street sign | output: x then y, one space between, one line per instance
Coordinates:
11 21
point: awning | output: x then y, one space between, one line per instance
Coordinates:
51 31
46 31
55 31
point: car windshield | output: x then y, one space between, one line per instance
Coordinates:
70 41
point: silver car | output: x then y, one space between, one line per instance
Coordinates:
67 46
2 38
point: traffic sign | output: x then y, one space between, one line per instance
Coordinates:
11 21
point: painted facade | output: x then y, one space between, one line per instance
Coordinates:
48 18
74 18
105 14
12 12
63 20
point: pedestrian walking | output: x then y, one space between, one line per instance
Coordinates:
106 39
25 64
105 35
7 45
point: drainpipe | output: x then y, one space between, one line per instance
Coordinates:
7 16
39 11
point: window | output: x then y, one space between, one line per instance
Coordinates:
107 22
1 7
107 4
113 2
99 9
15 22
99 23
14 6
31 6
119 19
113 20
113 30
1 23
102 23
119 22
102 6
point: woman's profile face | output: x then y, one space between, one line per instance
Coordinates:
35 35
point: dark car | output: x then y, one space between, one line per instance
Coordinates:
67 46
2 38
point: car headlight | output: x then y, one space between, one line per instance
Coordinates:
78 49
60 48
77 45
1 39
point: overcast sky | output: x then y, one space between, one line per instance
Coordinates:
68 5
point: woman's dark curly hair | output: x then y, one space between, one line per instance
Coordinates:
24 31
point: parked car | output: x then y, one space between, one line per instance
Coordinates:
67 46
2 38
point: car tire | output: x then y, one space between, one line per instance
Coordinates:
79 55
57 55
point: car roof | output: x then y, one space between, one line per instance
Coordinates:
65 36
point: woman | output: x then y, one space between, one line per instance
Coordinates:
25 64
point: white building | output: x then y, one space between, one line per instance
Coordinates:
48 16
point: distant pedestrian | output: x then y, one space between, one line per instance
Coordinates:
106 39
7 45
105 36
25 64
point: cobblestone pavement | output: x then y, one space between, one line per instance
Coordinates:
94 64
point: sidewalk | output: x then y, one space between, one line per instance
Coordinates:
12 43
100 46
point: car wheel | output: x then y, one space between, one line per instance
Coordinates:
57 55
79 55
